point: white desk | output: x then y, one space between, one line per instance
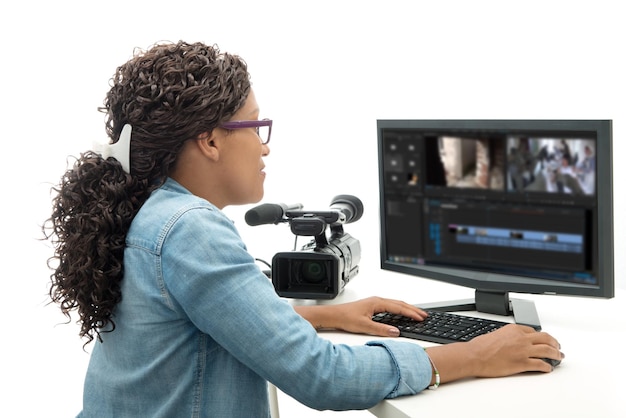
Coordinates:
588 383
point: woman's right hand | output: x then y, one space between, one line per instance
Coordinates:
514 349
509 350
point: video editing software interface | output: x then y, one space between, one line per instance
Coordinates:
500 201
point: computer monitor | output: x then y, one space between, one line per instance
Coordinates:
520 206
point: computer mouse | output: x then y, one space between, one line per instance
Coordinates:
552 362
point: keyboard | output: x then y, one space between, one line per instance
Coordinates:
440 327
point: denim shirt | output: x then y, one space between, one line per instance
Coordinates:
200 330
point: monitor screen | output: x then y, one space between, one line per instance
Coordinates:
499 205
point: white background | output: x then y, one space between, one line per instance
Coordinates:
323 70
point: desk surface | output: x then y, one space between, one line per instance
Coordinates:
586 384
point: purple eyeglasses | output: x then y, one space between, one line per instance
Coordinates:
263 127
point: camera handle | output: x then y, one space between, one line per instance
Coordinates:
315 225
335 230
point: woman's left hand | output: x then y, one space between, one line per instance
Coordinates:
356 317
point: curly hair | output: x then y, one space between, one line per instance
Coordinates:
170 93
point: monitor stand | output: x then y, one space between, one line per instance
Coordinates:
497 303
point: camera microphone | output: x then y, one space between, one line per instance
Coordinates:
350 206
269 213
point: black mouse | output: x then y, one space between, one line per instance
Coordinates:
552 362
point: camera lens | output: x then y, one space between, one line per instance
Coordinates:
313 271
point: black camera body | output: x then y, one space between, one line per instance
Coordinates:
322 268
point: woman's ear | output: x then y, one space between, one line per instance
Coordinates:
208 144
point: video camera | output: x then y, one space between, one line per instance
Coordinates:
321 268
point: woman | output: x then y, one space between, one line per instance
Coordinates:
182 320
